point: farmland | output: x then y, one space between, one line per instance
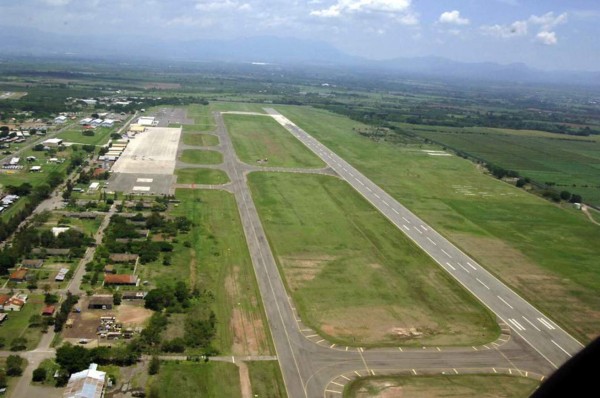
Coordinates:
260 138
525 240
354 276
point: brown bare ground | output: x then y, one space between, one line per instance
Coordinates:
533 281
245 385
301 269
249 337
132 315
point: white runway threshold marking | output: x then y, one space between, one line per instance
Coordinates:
140 188
532 324
516 324
450 265
471 265
144 180
546 323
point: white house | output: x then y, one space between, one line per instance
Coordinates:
52 142
88 383
60 119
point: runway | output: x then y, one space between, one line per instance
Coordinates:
317 368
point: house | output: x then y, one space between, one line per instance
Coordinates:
14 161
48 310
18 275
85 121
59 230
94 186
123 258
110 269
53 142
14 304
120 279
107 123
101 302
32 263
3 317
86 384
3 300
147 121
62 274
35 169
60 119
133 295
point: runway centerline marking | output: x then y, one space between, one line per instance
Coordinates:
386 203
563 350
405 227
450 265
395 211
446 253
464 268
429 239
418 230
406 219
472 266
486 286
505 302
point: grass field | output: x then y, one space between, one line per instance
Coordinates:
200 139
462 386
203 120
266 379
17 323
201 176
191 380
547 253
197 156
572 163
218 261
354 276
100 137
261 137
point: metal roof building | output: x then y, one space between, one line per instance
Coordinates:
86 384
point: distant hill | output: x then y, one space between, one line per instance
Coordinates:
268 49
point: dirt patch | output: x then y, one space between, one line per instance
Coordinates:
554 295
249 336
299 269
377 324
245 385
192 268
383 390
133 315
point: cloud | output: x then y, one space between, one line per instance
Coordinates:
363 6
548 20
547 38
517 28
453 17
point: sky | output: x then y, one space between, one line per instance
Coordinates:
545 34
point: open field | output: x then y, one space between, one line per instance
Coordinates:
17 323
266 379
218 261
201 176
200 139
191 380
353 276
547 253
203 120
201 156
100 137
571 163
463 386
261 140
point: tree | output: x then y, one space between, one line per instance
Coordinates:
576 198
3 381
117 297
154 366
521 183
35 320
565 195
14 365
18 344
39 374
73 358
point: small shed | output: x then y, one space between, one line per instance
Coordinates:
18 275
32 263
48 310
120 279
101 302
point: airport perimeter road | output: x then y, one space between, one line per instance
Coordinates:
547 338
311 366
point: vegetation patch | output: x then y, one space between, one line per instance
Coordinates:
201 176
261 140
200 139
266 379
197 156
354 276
465 386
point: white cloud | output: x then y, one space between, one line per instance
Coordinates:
363 6
548 20
515 29
547 38
453 17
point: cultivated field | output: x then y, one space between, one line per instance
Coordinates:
547 253
261 140
201 176
201 156
463 386
200 139
353 276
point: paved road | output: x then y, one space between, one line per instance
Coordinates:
315 368
547 338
